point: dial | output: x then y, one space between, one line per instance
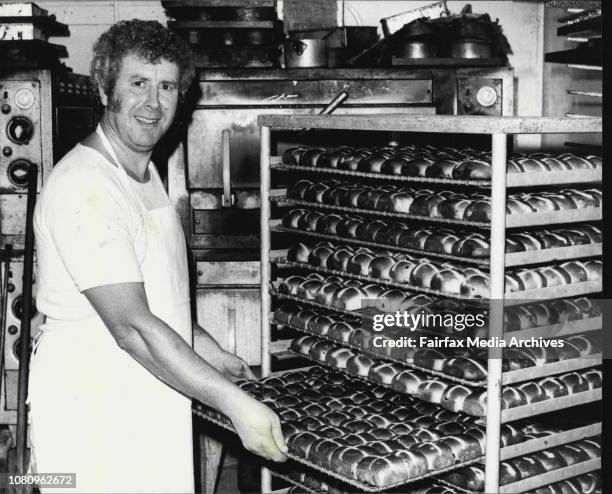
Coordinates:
486 96
20 130
24 98
18 172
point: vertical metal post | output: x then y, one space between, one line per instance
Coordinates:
264 219
496 310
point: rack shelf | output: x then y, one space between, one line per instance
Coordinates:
513 259
512 298
512 220
512 180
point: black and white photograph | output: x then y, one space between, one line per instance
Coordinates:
302 247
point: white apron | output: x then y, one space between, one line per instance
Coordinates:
97 412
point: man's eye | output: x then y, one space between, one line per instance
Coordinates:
168 87
138 83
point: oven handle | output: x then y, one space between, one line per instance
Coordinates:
228 199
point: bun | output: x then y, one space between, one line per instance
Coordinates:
407 382
447 280
320 325
438 455
382 373
299 253
473 170
340 331
349 298
454 397
338 261
359 365
319 255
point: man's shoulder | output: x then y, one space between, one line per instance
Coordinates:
82 164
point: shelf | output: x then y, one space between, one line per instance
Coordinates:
277 165
296 483
553 217
557 330
527 257
566 328
512 220
533 445
447 62
403 122
371 212
551 369
221 25
508 377
526 179
562 291
530 179
376 245
550 477
513 259
512 298
533 409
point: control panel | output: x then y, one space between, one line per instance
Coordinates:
20 129
479 96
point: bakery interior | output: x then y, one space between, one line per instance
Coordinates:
337 160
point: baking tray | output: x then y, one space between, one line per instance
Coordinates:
517 413
541 480
508 377
471 260
512 220
385 214
348 480
403 286
560 329
513 259
276 164
524 179
508 414
510 299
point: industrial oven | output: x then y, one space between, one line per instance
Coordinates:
221 175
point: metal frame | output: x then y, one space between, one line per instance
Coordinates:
499 128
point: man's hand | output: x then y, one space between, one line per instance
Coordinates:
258 428
232 366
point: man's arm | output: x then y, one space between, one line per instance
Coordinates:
225 362
124 309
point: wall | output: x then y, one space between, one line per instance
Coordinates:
523 24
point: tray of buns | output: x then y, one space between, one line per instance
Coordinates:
467 367
539 396
532 208
327 415
399 270
543 319
431 164
537 469
523 247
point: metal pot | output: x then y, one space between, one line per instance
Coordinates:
305 52
417 49
471 48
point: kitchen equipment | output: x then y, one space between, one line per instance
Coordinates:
300 52
471 48
417 49
333 104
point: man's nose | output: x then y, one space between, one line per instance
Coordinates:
153 98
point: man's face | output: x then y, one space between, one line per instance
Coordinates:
143 103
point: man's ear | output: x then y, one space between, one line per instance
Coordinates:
103 95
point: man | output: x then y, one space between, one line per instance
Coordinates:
112 370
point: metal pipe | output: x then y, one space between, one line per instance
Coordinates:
331 106
264 190
24 350
3 308
496 310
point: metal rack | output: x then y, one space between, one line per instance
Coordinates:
499 128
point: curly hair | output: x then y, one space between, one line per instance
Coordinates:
149 40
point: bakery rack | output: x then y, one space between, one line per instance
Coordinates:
499 128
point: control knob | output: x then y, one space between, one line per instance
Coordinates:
20 130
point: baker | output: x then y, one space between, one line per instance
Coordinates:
113 371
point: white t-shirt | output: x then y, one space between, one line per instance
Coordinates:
89 222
